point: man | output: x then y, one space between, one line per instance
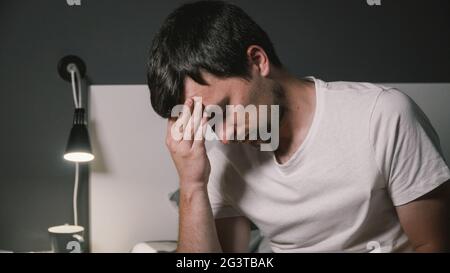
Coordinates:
357 165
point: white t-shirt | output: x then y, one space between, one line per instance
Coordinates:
369 148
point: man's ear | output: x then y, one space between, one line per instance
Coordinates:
258 58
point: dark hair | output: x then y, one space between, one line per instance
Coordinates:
206 35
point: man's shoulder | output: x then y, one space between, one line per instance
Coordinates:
356 87
384 100
394 104
379 99
350 99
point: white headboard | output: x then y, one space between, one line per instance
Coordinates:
133 174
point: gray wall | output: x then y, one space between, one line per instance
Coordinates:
400 41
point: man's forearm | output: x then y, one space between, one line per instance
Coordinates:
197 230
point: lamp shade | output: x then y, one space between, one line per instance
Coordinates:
79 146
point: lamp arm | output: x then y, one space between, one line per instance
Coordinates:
76 86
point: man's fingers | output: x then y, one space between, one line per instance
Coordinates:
194 121
197 115
186 114
190 126
201 131
177 126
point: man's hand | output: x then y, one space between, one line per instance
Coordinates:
189 153
197 230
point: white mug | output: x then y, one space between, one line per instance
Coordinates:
66 239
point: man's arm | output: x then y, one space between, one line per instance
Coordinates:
426 221
197 230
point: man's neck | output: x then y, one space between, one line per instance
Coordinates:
298 102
